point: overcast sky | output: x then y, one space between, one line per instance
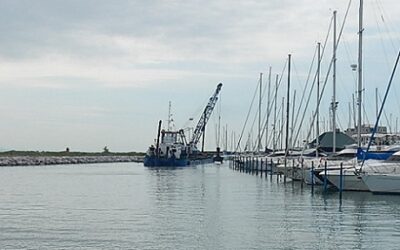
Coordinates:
90 73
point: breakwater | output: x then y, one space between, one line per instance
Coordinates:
56 160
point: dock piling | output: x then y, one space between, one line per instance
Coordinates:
325 176
341 180
312 177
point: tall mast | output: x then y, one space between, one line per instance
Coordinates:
354 112
317 120
226 137
219 129
360 31
390 123
334 104
275 104
282 119
376 103
259 116
268 109
287 109
291 143
287 116
350 116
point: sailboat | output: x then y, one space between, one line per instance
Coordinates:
351 180
380 180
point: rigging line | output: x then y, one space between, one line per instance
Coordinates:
264 92
339 123
271 103
247 117
384 112
391 36
380 6
346 46
349 57
269 107
327 74
305 88
218 123
380 110
264 96
277 87
381 38
278 136
314 81
297 72
365 114
340 108
277 114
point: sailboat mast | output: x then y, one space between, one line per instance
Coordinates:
268 108
317 120
376 103
360 31
287 110
354 112
291 143
275 104
259 115
281 122
349 124
287 117
334 84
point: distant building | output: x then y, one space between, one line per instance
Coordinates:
326 141
366 129
381 136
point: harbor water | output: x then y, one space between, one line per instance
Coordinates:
128 206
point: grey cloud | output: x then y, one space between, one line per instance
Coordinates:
37 27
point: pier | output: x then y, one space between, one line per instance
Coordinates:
294 171
263 166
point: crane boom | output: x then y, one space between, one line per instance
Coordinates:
198 132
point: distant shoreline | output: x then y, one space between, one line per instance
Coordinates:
37 158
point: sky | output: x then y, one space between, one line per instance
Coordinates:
92 73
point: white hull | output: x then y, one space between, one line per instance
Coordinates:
350 181
331 167
382 183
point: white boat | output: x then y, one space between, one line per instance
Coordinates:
345 156
351 181
382 183
382 176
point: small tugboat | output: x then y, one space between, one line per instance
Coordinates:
172 149
218 159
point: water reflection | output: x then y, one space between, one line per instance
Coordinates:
199 207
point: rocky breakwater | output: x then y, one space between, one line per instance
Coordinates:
56 160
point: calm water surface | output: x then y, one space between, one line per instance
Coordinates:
127 206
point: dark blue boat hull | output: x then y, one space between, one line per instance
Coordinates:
381 155
152 161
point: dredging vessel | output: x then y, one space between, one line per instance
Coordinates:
172 148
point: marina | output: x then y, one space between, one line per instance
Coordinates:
233 125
